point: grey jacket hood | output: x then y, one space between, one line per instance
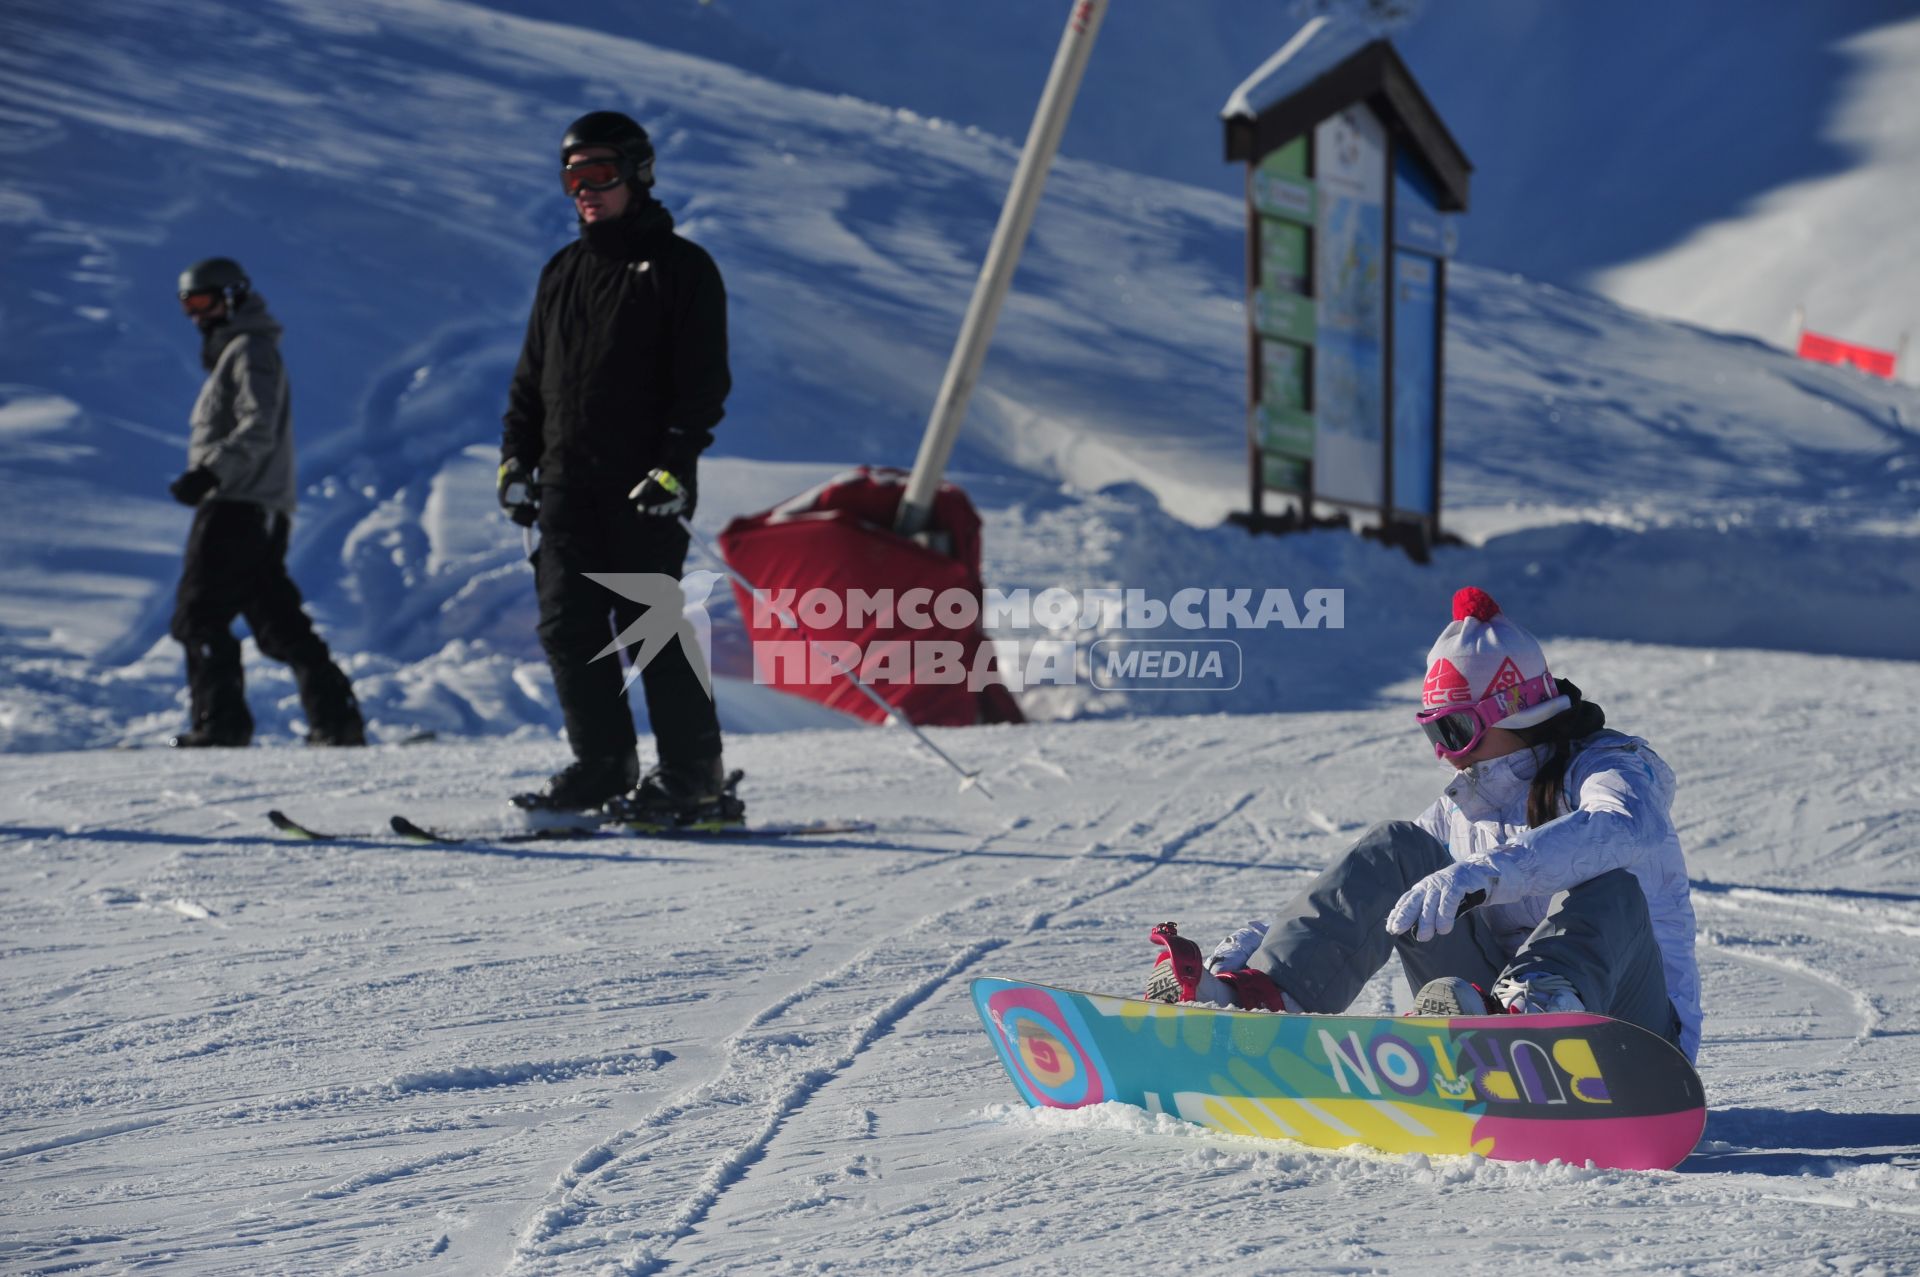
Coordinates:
243 420
250 316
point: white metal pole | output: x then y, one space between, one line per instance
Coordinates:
1003 255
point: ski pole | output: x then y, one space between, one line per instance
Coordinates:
968 779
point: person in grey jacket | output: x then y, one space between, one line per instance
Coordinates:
1547 877
240 482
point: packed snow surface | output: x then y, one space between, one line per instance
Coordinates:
395 216
230 1053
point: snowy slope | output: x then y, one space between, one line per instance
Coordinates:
232 1054
228 1054
1719 161
846 284
1616 136
1836 246
395 213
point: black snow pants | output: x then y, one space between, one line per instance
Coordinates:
588 529
236 565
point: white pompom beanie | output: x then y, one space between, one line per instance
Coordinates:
1483 654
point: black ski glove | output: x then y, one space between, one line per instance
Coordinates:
519 494
192 487
664 495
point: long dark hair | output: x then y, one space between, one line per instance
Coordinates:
1577 722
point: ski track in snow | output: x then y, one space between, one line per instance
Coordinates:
802 1075
717 1058
229 1054
1864 929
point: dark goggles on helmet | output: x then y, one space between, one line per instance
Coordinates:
200 303
602 174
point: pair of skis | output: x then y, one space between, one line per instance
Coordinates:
584 826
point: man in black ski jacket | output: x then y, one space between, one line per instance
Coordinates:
621 380
239 480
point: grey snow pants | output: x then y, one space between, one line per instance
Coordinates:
1331 939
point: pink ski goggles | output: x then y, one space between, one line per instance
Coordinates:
1458 729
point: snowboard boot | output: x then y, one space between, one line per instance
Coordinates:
338 734
699 797
338 722
218 700
342 724
1180 976
1540 992
584 784
1237 950
1451 996
214 736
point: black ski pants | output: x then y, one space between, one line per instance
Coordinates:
583 530
236 565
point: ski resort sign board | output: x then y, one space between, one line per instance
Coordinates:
1351 180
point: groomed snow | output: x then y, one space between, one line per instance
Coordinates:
396 217
228 1053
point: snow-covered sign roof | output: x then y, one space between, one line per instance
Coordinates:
1315 49
1327 66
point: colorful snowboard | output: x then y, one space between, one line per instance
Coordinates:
1578 1087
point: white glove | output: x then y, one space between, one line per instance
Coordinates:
1429 907
1232 953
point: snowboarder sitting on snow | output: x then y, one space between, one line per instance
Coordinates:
621 380
1548 876
239 480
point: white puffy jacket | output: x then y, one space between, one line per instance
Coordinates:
1622 797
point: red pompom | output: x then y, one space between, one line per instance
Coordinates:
1474 602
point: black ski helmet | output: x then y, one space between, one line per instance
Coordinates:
610 128
216 275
